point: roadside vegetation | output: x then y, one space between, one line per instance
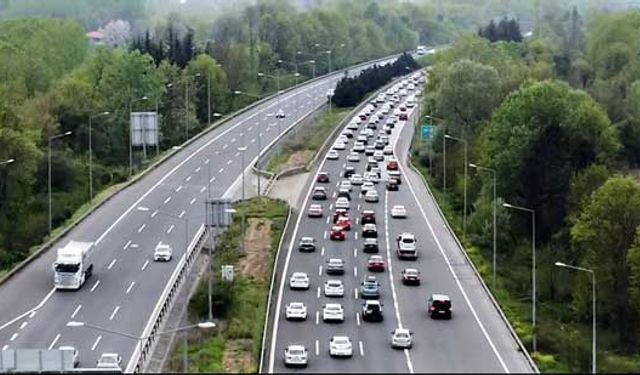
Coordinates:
556 117
239 307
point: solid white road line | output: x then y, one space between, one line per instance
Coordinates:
146 263
115 311
110 266
53 343
130 287
361 348
95 285
178 189
154 213
24 324
317 348
95 344
127 245
193 201
171 228
13 337
167 200
142 228
75 312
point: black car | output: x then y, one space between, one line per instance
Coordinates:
323 177
368 217
372 311
392 184
348 171
319 194
439 306
335 266
369 231
370 245
307 244
379 145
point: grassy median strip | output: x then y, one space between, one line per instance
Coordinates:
300 145
239 307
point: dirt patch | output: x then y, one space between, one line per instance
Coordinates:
298 159
635 173
237 357
258 246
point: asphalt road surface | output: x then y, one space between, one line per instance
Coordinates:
474 340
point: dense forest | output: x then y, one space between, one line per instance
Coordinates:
555 119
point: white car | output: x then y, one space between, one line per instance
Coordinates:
280 114
342 202
359 145
332 312
378 155
109 360
340 346
333 288
398 211
353 157
401 338
406 241
333 155
299 280
356 179
339 145
371 177
371 196
345 184
162 252
388 150
366 186
296 355
353 125
76 355
343 138
296 310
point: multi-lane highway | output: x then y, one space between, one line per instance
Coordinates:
127 284
474 340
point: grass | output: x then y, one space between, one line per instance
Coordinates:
309 136
239 306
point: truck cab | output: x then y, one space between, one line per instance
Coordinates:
71 267
406 246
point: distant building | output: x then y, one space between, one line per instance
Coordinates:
96 38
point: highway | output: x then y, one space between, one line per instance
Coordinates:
126 284
474 340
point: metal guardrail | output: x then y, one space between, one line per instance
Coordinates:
495 303
146 344
273 278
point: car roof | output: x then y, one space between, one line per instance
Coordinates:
402 330
296 347
411 270
440 297
296 304
335 260
372 302
299 274
307 239
341 338
371 240
333 305
334 281
368 212
370 225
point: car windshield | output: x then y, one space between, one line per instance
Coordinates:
73 268
402 335
110 360
296 306
296 351
340 340
334 283
407 240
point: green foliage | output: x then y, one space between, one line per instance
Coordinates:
506 30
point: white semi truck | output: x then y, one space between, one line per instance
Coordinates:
72 266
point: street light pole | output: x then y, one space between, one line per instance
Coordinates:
533 267
91 155
466 164
50 139
131 135
243 149
495 202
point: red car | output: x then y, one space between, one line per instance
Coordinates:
344 222
340 212
403 116
376 263
337 233
392 165
323 177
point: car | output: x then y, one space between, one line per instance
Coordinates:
395 174
344 193
375 263
332 312
392 184
333 288
339 145
367 186
162 252
378 146
338 213
371 177
344 139
369 231
315 210
376 170
356 179
384 138
372 125
307 244
299 280
387 130
370 287
370 245
345 184
368 217
371 196
378 155
337 233
347 133
371 163
369 150
109 360
392 165
335 266
372 311
411 276
323 177
74 352
319 193
403 116
353 157
333 155
343 222
398 211
388 150
280 114
296 311
401 338
296 355
352 125
360 145
439 306
342 202
348 172
340 346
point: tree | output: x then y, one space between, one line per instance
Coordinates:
604 232
116 33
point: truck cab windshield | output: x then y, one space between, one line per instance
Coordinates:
72 268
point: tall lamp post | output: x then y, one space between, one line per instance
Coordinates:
466 163
130 135
50 140
593 309
242 150
533 267
495 202
106 113
140 339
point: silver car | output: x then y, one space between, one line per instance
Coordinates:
401 338
296 355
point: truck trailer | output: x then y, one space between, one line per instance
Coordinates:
73 266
